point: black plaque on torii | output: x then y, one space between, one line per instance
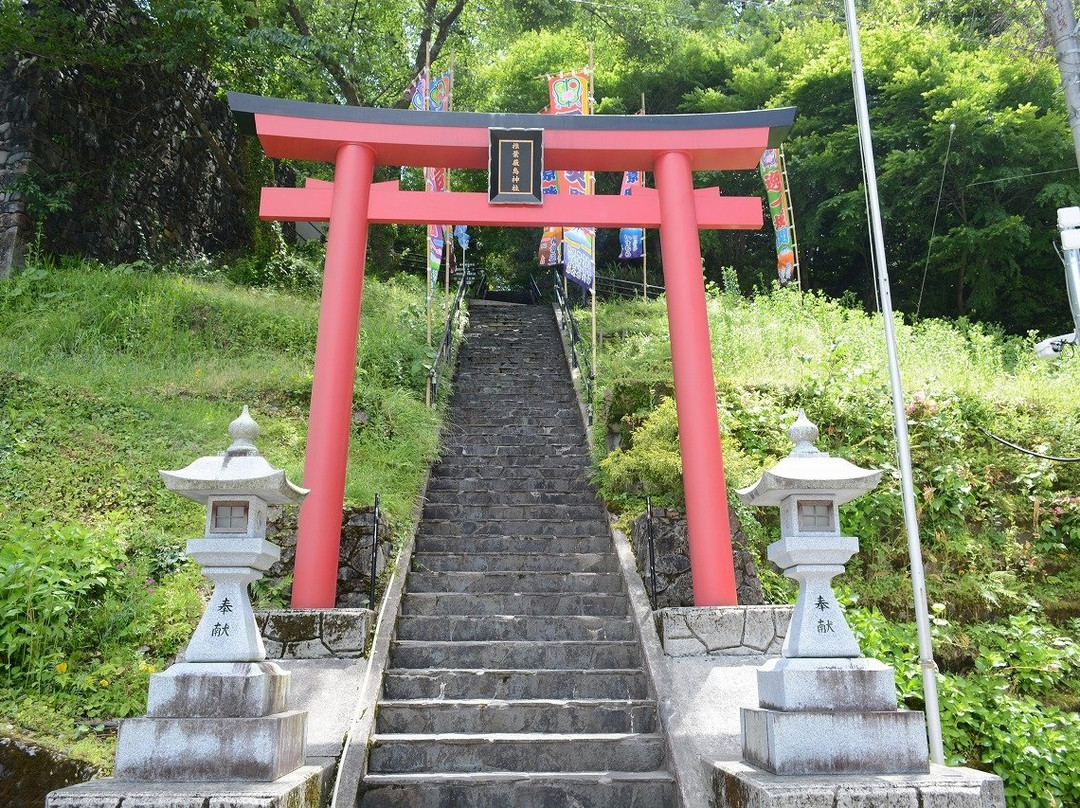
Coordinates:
515 162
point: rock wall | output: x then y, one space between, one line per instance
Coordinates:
672 551
140 161
18 96
29 772
354 569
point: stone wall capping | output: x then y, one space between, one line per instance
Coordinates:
315 633
723 631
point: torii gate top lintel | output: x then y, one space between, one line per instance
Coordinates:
310 131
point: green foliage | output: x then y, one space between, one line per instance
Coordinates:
1001 717
113 373
999 528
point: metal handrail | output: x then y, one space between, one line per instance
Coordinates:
626 288
534 290
442 356
578 358
374 551
652 550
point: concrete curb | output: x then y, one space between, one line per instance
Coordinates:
688 768
352 766
575 376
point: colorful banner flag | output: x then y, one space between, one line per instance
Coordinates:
461 233
549 246
579 255
631 243
773 177
630 181
569 93
432 94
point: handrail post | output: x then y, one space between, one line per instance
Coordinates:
374 551
652 550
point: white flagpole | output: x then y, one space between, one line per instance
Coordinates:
903 449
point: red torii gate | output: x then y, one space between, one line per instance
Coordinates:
356 139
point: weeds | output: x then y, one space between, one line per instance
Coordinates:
1000 529
112 373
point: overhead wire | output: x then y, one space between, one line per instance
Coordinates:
933 227
1019 448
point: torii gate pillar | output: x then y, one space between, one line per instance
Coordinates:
318 540
356 139
707 518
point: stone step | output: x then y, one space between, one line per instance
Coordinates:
493 407
492 627
520 447
514 562
601 789
517 527
590 716
524 752
557 433
442 683
539 582
571 654
512 603
481 543
462 464
481 496
517 481
536 483
547 512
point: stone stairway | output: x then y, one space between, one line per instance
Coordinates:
515 678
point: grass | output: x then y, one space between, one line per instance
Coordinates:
1000 530
113 373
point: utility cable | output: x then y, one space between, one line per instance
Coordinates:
1039 455
937 209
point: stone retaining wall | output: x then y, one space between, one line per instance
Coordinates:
354 566
315 633
739 631
135 152
672 550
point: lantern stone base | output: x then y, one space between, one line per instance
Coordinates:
792 684
827 742
218 690
308 787
738 785
210 721
211 749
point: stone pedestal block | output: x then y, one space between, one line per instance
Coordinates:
737 785
826 684
727 631
210 749
823 742
307 787
218 690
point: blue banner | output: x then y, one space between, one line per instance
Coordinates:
579 245
631 243
461 233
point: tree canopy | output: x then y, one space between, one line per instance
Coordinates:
971 138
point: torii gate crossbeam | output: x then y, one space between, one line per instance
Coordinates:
356 139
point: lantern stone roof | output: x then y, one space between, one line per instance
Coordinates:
238 471
810 472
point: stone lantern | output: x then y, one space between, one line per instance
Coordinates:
220 714
824 708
